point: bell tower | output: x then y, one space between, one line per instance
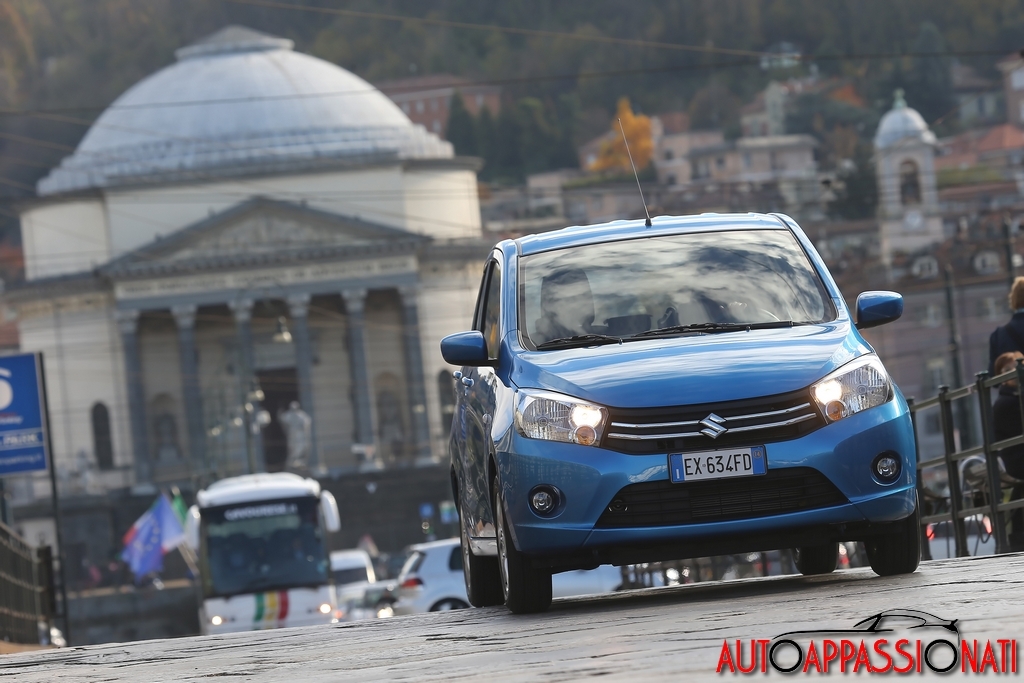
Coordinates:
908 206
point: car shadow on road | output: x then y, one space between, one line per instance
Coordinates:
711 591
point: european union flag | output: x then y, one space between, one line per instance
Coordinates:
156 532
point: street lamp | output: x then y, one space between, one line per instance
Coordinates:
282 335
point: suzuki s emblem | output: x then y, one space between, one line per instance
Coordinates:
712 426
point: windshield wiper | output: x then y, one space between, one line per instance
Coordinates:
712 327
579 340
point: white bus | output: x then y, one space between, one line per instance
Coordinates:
261 541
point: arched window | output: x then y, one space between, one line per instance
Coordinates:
910 183
102 446
446 389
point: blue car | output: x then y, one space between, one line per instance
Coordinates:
634 393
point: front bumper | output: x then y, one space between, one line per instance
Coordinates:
589 479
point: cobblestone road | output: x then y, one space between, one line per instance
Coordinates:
672 633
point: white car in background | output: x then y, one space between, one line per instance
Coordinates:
353 575
432 580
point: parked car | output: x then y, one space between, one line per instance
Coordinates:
432 580
691 386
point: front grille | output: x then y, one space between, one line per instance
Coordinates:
694 428
662 503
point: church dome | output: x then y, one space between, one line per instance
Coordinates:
240 102
901 124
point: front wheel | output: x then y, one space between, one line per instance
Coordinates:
527 589
483 580
899 550
817 559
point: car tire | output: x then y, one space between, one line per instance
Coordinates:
448 604
817 559
527 589
899 550
483 578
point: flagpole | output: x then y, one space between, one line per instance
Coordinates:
56 506
190 559
185 549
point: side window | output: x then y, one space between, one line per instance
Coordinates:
102 445
489 314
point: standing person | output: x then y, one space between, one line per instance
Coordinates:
1009 337
1006 418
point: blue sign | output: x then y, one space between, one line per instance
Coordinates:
426 510
22 439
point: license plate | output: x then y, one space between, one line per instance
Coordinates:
728 462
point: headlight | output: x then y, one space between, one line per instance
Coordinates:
554 417
325 608
216 620
857 386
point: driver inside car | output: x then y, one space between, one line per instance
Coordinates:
566 304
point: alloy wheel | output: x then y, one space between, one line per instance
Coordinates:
502 547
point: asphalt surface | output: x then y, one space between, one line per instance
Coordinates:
673 633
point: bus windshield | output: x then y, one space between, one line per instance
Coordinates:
262 546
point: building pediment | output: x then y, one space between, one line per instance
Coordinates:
262 232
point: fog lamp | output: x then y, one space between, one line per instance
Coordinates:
543 500
887 467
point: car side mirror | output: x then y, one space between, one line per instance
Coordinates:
465 348
878 308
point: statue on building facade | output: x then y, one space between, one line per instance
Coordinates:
297 425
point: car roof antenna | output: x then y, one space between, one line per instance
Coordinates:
635 175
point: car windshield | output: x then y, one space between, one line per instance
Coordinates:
601 293
256 547
349 575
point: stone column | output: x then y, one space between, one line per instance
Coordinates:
414 375
298 311
185 318
355 301
128 324
242 312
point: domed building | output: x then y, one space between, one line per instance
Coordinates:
908 206
246 229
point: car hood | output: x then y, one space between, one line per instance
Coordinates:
707 368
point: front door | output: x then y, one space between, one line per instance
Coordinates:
280 388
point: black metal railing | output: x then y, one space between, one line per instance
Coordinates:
26 589
962 504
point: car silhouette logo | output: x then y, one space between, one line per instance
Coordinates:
712 426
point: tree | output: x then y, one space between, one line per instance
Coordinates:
857 194
461 130
714 107
507 162
930 83
637 129
485 141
